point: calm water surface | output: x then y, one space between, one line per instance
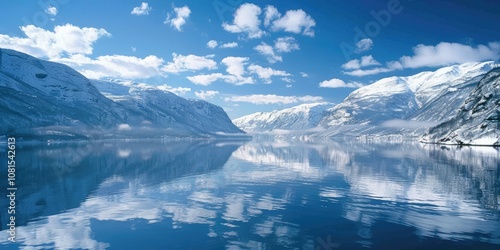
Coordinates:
254 195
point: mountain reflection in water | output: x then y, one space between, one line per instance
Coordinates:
257 195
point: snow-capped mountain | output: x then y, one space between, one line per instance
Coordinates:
41 98
391 106
152 106
300 117
477 122
406 105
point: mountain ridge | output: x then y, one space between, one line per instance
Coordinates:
47 99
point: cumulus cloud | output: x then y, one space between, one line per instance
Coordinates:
144 9
271 14
51 10
64 40
117 66
286 44
175 90
190 62
181 15
212 44
229 45
337 83
295 21
281 45
205 80
364 45
304 74
444 54
206 94
246 20
365 61
268 51
273 99
235 67
266 73
287 79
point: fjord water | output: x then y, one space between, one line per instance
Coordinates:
254 195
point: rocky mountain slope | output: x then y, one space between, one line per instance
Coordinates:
404 106
477 122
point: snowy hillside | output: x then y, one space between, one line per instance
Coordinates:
41 98
46 98
477 121
148 105
405 105
300 117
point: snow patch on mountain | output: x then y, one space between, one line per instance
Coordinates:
425 98
301 117
477 121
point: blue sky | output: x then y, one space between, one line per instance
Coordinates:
250 56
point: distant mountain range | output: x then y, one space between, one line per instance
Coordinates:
300 117
404 106
42 99
458 104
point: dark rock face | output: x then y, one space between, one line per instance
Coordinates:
477 121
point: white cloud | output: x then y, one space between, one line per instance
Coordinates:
266 73
190 62
273 99
295 21
286 44
65 39
288 86
144 9
181 14
206 94
287 79
235 65
271 14
337 83
365 61
364 45
246 20
205 80
134 49
177 91
212 44
229 45
445 54
304 74
281 45
390 66
124 127
51 10
117 66
268 51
